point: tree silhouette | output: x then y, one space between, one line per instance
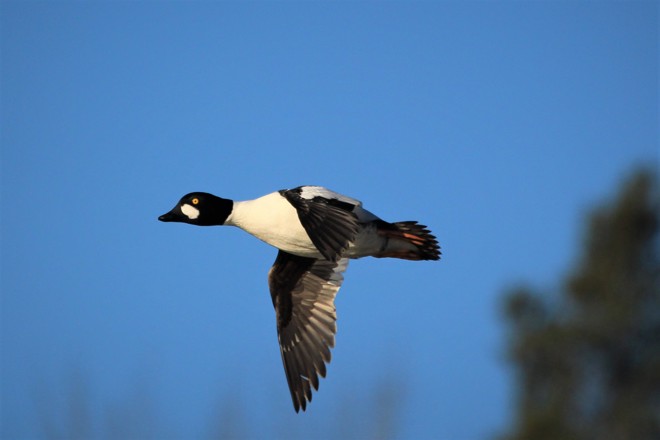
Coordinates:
588 359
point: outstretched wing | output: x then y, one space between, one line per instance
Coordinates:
303 292
328 218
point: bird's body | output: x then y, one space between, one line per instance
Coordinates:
274 220
316 231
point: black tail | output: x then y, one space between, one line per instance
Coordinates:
420 236
425 244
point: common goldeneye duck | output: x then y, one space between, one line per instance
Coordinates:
316 231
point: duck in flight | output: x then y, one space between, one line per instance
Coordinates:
316 232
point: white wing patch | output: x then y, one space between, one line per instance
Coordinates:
190 211
309 192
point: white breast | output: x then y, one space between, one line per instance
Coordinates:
274 220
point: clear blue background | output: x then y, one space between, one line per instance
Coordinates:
496 123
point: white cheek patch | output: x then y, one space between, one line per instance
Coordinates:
190 211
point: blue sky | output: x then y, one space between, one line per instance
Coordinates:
498 124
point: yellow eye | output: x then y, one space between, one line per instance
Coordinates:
195 201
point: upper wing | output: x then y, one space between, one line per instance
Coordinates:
328 218
310 192
303 292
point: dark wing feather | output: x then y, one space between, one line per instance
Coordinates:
303 292
329 222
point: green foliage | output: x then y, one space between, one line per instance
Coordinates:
588 359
